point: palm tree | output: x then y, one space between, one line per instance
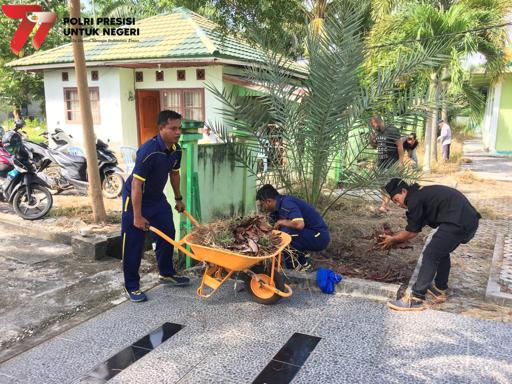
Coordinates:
321 119
463 27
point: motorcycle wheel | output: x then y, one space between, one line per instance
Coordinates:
112 185
35 207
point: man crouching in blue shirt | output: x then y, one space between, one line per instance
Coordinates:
144 204
300 220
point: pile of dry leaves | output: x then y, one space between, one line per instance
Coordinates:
250 235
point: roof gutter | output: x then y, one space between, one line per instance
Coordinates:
115 63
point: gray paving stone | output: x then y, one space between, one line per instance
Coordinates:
200 377
56 361
175 358
8 380
240 358
231 339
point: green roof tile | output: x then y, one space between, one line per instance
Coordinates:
180 34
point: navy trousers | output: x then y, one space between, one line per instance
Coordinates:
304 241
159 215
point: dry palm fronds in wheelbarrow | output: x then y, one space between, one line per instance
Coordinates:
250 235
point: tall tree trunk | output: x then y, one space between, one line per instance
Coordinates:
435 118
445 82
430 120
93 173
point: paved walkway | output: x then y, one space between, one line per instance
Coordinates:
486 166
471 263
230 339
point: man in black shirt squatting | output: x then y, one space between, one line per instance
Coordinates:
456 221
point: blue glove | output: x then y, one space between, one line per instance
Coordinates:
326 280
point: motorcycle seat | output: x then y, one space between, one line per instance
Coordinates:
67 159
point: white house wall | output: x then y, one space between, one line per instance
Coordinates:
128 107
118 118
111 118
213 75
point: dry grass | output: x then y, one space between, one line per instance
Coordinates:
83 212
467 177
440 166
487 212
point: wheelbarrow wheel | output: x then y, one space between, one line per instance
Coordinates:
259 292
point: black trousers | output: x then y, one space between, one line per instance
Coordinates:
435 265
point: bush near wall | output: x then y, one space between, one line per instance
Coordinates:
33 129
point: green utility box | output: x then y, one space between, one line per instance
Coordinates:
189 181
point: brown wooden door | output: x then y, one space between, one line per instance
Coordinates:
148 107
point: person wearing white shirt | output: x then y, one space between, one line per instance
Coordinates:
445 138
208 137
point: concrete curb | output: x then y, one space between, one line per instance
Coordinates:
36 230
94 247
349 286
493 292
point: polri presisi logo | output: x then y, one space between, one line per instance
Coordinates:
30 15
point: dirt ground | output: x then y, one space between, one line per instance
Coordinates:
354 252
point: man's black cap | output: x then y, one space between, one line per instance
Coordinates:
395 186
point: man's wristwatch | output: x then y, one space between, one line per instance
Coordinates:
178 198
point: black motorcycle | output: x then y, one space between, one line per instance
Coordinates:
24 190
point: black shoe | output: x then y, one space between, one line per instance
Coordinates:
437 295
407 303
306 267
175 280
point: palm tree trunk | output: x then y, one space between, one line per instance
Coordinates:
430 121
93 173
431 131
445 82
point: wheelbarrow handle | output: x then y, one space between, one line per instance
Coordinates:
177 244
191 218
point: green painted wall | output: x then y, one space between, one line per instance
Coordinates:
504 131
225 188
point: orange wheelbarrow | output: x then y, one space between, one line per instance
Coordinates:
264 282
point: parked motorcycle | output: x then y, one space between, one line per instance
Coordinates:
66 171
61 139
28 193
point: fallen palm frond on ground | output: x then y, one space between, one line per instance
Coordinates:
378 236
251 235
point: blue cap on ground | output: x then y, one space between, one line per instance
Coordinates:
326 280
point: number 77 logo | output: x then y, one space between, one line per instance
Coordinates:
30 15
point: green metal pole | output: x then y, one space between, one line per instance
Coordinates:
188 193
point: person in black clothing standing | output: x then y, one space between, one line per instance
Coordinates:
386 139
456 221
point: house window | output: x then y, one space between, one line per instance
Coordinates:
94 75
199 74
159 75
72 106
181 75
65 76
187 102
139 77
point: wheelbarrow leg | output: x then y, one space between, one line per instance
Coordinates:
212 279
